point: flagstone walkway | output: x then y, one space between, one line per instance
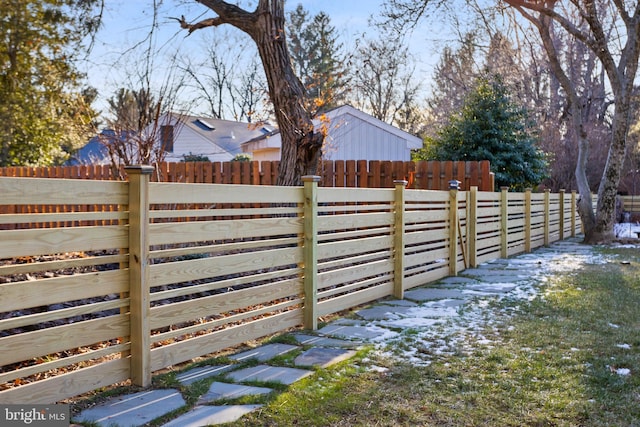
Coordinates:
338 341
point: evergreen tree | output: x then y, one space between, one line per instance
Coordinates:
317 58
44 112
490 126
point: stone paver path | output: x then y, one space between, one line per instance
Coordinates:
382 322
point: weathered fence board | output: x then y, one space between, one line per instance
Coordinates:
427 175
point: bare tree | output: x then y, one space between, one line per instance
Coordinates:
228 79
145 116
383 80
301 145
141 130
618 53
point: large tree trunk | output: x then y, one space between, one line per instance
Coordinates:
608 190
585 201
301 146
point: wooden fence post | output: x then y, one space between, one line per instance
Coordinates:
573 213
562 215
139 274
398 240
310 251
527 220
504 222
453 227
547 214
472 222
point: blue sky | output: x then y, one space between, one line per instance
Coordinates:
127 22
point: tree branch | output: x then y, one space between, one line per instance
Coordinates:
227 14
211 22
546 8
622 11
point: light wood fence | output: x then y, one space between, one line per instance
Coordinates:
181 270
631 204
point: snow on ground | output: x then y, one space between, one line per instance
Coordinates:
424 336
627 230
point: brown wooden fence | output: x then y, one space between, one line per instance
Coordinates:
182 270
425 175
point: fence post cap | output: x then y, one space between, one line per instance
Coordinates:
139 169
311 178
403 182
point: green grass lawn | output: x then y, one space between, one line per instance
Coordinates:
569 357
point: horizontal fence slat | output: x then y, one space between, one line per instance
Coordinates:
64 362
59 338
168 233
345 248
46 191
173 193
217 304
185 271
232 319
340 222
42 292
70 384
44 241
354 299
85 261
226 338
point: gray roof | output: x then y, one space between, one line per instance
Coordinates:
93 152
227 134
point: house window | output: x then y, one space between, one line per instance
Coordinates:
166 138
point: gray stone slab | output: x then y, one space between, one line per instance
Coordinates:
220 390
325 341
349 322
457 280
428 294
399 303
133 410
264 352
514 276
323 357
380 312
212 415
266 373
196 374
492 288
365 333
482 272
494 262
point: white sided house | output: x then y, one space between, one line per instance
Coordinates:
217 140
351 135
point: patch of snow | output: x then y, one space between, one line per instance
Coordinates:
623 371
432 329
627 230
379 369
